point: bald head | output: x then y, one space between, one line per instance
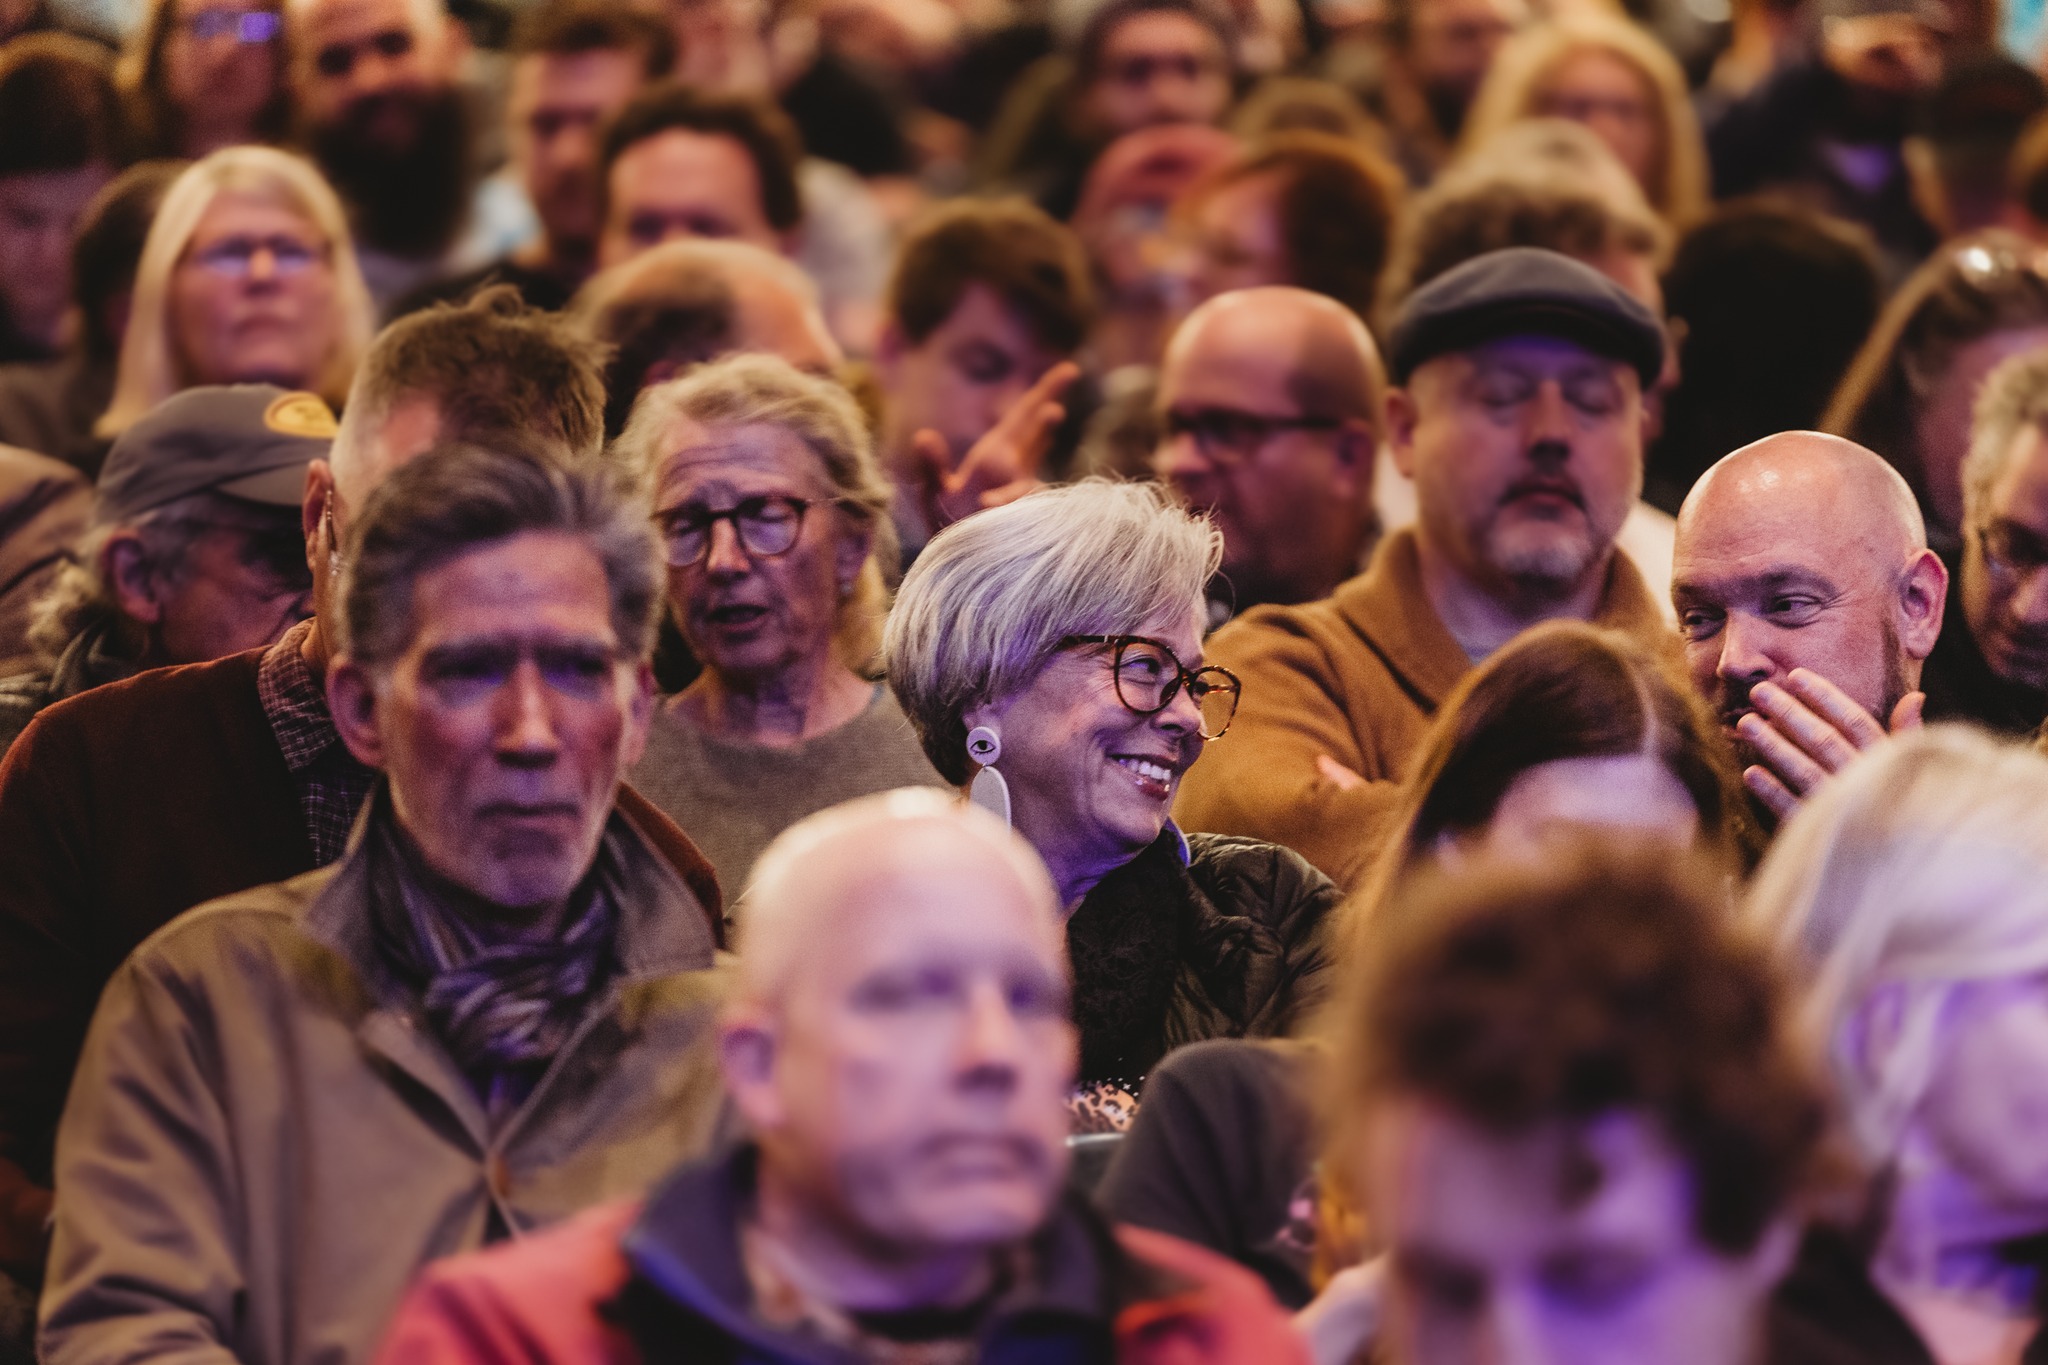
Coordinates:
843 872
1805 551
1272 401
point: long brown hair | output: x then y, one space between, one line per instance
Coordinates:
154 120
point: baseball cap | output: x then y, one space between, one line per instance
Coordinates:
248 441
1524 291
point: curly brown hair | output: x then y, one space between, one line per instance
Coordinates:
1609 978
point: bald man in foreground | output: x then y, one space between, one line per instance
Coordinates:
1271 404
1808 600
898 1045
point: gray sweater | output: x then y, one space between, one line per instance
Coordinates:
732 798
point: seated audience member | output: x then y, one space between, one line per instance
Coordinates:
1769 303
1420 79
45 507
51 406
1991 663
247 277
987 303
492 1013
1614 77
774 519
194 550
1301 208
383 110
1622 1188
1910 902
1271 404
93 854
1127 65
1049 654
1518 413
1567 731
1909 393
899 1195
60 141
1964 153
199 75
687 302
1807 599
575 63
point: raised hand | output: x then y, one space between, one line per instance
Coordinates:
1806 731
1004 464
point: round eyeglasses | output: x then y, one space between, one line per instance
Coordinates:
1148 676
767 526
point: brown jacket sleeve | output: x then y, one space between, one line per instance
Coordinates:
1261 779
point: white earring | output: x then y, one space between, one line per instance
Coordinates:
988 790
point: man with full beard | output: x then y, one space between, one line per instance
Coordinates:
1518 412
1808 600
383 111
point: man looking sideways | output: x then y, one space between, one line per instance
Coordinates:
1808 600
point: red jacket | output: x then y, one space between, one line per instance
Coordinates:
557 1298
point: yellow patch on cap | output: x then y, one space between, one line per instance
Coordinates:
301 414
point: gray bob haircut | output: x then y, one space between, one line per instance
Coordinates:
988 602
453 500
764 390
2014 397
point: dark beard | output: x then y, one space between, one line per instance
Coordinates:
406 201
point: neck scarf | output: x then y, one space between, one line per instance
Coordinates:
503 1006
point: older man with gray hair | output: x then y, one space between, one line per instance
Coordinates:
898 1044
490 1014
1991 663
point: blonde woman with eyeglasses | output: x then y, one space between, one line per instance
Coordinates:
247 276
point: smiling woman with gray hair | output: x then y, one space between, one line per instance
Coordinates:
1049 654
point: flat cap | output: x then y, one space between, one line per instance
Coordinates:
1524 291
248 441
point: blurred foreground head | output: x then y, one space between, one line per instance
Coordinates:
1567 1107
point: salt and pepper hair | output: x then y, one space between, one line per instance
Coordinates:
1921 869
764 390
149 369
454 500
988 602
799 880
2014 397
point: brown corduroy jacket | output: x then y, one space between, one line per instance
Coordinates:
1358 676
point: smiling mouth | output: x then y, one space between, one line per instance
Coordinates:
1154 778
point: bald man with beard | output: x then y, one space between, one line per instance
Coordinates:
1808 601
1271 403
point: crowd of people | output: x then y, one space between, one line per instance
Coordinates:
902 682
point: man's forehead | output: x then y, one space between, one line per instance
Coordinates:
334 20
535 588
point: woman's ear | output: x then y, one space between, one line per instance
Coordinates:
851 556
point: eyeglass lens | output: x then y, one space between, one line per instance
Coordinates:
766 526
1148 678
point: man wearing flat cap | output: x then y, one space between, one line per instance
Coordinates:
1518 412
193 551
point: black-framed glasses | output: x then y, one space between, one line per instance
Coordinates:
1229 436
1149 676
2011 554
767 526
244 26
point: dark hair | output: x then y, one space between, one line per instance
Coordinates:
454 499
1774 298
1033 264
569 28
1451 227
1607 978
1095 35
154 119
1971 123
58 109
108 246
770 140
1335 211
496 370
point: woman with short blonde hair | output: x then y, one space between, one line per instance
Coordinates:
248 276
1568 69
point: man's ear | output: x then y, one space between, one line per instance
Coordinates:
313 511
1358 449
126 571
1401 416
352 698
749 1045
1923 597
639 714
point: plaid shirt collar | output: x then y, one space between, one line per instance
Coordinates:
294 703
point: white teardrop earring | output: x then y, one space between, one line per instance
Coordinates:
988 790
